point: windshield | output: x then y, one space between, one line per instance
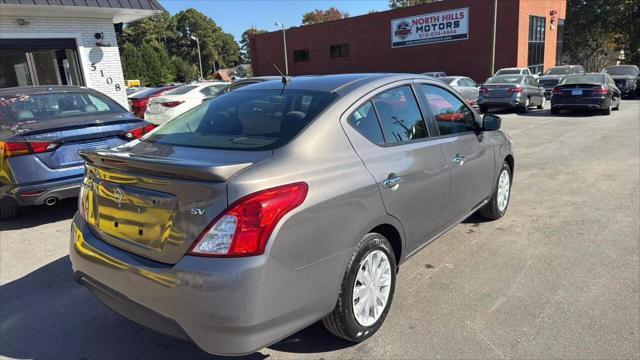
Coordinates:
621 70
182 90
508 72
505 79
244 120
584 79
49 106
448 80
558 71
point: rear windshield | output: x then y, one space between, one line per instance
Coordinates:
505 79
244 120
182 90
621 70
508 72
29 108
558 71
584 79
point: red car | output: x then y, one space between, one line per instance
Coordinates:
138 102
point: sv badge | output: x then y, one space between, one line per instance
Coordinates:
197 211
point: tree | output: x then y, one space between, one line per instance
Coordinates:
185 72
245 44
591 30
629 39
319 16
396 4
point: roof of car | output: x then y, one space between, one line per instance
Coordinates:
32 90
333 83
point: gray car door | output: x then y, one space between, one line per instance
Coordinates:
389 134
470 155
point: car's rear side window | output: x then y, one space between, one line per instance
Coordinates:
364 120
181 90
245 120
400 115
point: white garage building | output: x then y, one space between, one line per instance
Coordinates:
66 42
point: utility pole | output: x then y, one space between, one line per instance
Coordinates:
493 43
199 56
284 41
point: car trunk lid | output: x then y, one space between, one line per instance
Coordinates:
76 134
577 90
499 90
156 206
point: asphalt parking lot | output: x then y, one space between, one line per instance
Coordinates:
558 276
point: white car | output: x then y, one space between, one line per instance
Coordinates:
514 71
178 101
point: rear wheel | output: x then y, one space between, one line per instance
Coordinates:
366 292
606 111
617 105
499 202
8 209
525 107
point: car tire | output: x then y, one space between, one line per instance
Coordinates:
8 209
483 108
617 105
555 111
542 102
499 202
343 322
525 108
606 111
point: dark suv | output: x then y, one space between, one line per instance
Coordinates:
627 78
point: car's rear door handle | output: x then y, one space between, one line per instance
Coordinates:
458 160
392 181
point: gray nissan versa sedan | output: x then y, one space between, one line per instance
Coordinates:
271 207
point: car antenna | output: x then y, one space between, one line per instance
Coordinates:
285 79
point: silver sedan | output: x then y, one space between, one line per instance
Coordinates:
269 208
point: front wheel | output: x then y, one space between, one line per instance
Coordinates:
366 292
617 105
499 202
542 102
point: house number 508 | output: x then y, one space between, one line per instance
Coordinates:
109 79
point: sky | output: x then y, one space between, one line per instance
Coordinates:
236 16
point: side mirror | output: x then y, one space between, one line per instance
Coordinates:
491 122
539 74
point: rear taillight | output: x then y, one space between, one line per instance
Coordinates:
484 90
11 149
515 89
244 228
557 91
139 132
171 104
600 91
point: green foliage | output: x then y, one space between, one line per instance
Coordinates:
319 16
396 4
159 49
595 30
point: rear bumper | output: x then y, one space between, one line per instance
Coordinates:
502 102
577 103
231 306
37 193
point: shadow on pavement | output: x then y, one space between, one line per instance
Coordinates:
39 215
47 315
563 114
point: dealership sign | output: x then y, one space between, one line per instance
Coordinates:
430 28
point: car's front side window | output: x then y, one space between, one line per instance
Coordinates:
400 115
452 115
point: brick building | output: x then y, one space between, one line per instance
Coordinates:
455 36
54 42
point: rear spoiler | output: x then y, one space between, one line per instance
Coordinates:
184 169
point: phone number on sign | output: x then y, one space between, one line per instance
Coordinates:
437 33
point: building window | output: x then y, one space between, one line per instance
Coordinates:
560 42
338 51
535 60
301 55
